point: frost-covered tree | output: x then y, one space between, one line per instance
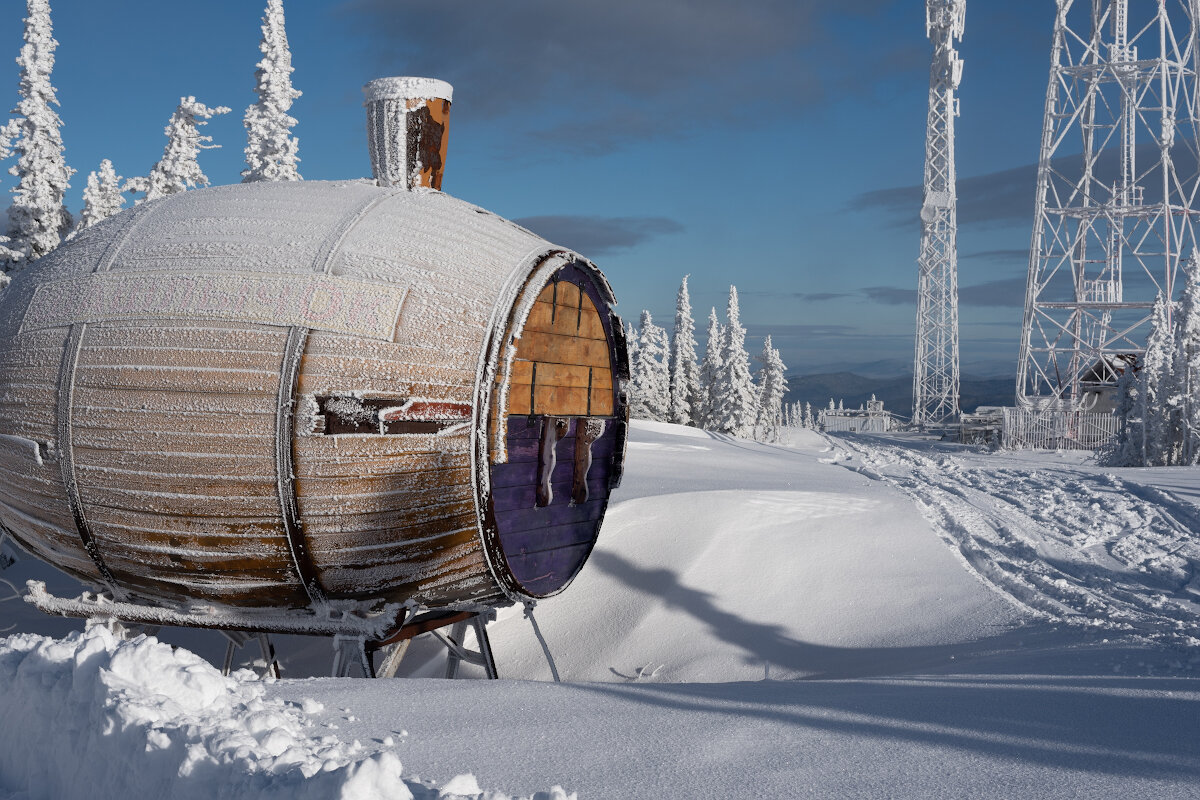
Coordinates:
685 373
102 197
710 369
1185 382
1155 386
809 422
179 170
1125 449
735 402
772 385
651 393
37 218
270 147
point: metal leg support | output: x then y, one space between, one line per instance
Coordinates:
350 650
458 653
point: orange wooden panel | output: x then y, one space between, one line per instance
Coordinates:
602 401
567 294
557 349
541 318
520 398
560 401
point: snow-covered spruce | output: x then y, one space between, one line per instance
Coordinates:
102 197
178 170
1156 375
37 218
650 393
685 373
710 369
772 385
735 398
104 717
1185 383
270 147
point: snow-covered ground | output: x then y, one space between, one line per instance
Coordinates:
841 617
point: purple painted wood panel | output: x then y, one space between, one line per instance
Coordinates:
545 547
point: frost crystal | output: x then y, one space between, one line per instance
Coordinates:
271 149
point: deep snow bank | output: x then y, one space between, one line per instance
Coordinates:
94 716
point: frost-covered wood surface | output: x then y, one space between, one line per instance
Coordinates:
153 405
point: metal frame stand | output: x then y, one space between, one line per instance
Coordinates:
268 665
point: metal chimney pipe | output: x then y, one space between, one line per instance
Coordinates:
407 120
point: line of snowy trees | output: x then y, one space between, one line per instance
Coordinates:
38 219
1158 400
718 392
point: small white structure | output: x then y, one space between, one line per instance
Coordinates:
870 419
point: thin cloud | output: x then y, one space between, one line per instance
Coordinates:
890 295
588 76
598 236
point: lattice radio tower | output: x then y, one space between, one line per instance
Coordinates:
935 372
1117 181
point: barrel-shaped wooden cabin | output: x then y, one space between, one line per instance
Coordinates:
271 394
276 395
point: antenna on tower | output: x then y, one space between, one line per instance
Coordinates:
1116 181
935 371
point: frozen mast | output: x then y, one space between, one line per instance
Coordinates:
1114 215
935 371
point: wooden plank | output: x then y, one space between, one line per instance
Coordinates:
518 520
193 505
212 421
341 505
409 579
541 317
105 477
225 589
163 336
171 524
415 386
240 465
557 349
150 442
511 497
382 554
17 355
230 357
375 446
371 524
560 401
590 324
51 510
550 537
566 294
120 399
526 450
438 370
383 485
602 401
232 381
350 467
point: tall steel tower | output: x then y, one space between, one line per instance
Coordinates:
935 372
1117 180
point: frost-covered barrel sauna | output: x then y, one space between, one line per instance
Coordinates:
283 395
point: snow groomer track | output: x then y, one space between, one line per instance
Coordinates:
1073 543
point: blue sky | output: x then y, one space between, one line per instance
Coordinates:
777 145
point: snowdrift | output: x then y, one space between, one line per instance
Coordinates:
92 715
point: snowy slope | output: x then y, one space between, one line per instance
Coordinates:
850 617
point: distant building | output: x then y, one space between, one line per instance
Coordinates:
869 419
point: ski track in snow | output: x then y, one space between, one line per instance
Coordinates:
1073 546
